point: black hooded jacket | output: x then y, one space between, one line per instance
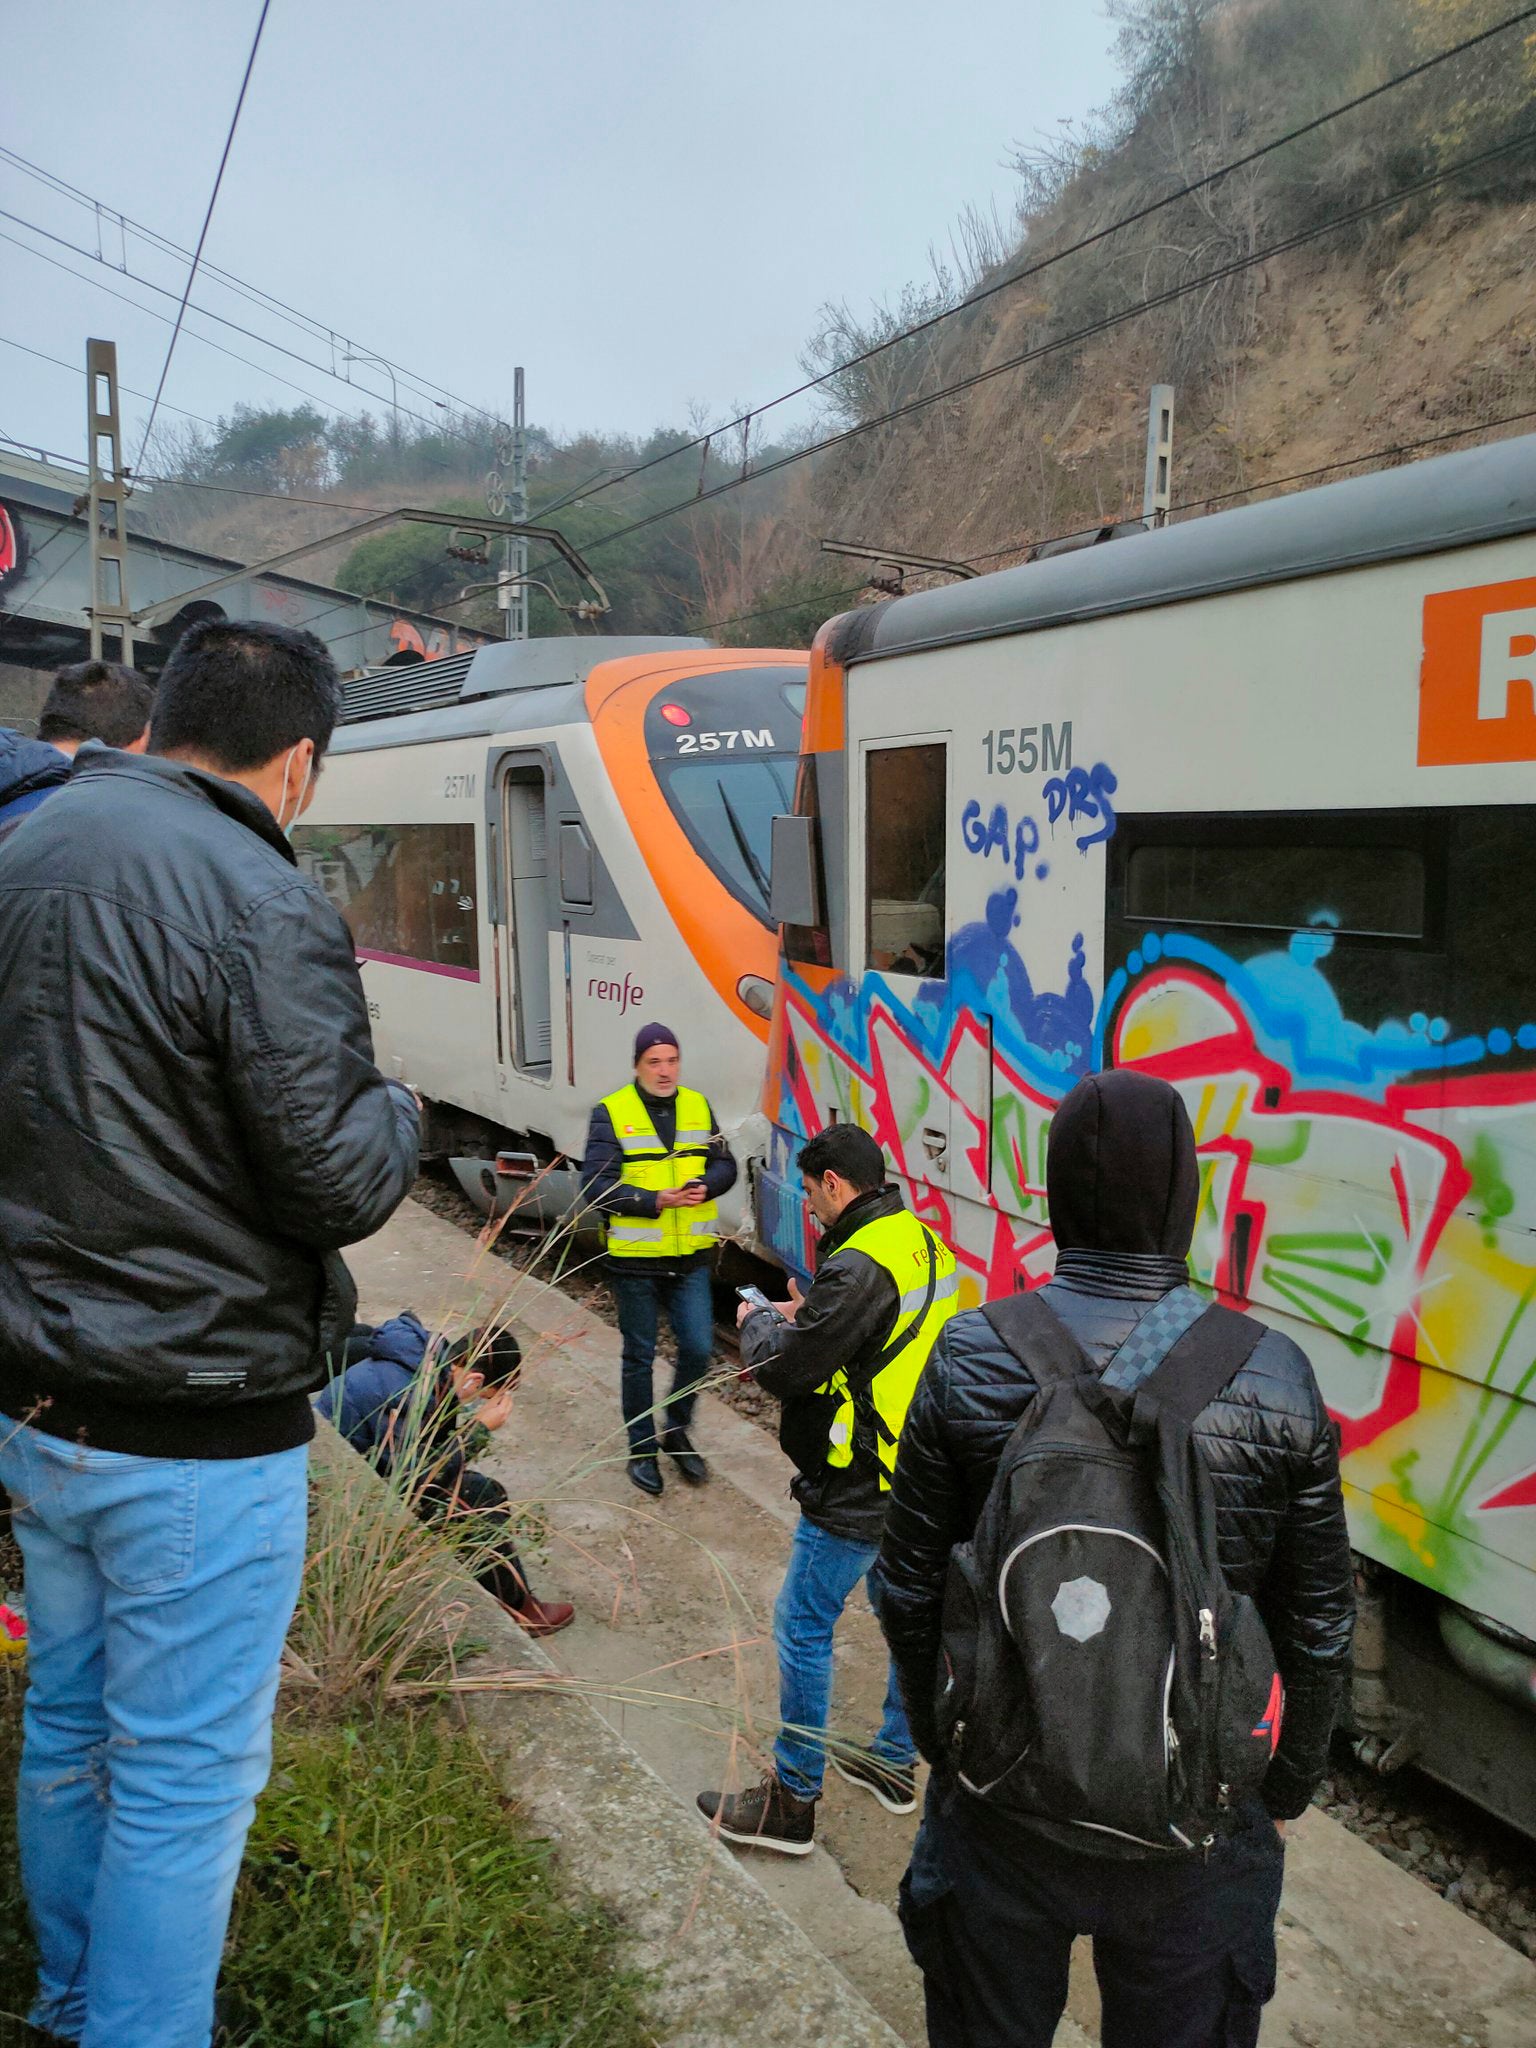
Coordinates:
194 1123
1123 1182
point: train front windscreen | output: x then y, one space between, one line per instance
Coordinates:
724 748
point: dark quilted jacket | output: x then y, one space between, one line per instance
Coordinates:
1271 1448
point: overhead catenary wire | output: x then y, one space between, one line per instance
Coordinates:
197 254
74 371
1014 278
207 313
1077 336
306 323
1044 263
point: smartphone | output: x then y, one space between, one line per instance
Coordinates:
754 1297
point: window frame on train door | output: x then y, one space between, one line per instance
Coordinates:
506 766
934 1140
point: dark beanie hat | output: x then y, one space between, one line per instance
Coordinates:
654 1034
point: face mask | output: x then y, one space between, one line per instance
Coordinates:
282 802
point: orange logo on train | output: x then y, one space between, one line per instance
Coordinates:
1477 688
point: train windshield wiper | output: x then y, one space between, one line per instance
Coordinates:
744 845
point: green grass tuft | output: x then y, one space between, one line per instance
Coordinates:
384 1863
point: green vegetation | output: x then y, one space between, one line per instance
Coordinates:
389 1891
385 1875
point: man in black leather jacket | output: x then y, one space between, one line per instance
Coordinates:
1183 1946
194 1127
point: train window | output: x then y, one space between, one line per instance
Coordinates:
727 807
1280 884
575 865
906 793
811 944
1404 914
408 892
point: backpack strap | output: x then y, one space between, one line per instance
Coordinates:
1030 1328
1202 1361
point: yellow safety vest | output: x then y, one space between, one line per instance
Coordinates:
649 1165
902 1246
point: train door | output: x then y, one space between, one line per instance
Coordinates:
902 850
523 992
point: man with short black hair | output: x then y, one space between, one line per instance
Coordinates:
93 700
844 1361
195 1126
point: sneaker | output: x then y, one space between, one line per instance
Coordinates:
645 1473
679 1448
542 1617
766 1817
894 1785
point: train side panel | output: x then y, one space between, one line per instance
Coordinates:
1350 1012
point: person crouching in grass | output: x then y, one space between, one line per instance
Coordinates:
414 1410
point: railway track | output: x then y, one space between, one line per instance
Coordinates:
1449 1845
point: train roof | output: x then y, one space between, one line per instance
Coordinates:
503 669
1446 501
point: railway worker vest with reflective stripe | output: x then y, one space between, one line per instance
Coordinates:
871 1416
673 1233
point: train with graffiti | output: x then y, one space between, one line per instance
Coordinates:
540 845
1248 802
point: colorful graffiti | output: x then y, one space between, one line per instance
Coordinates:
1360 1187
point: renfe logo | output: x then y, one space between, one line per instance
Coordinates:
625 993
1477 687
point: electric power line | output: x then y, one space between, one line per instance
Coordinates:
1078 336
74 371
213 200
1115 227
207 312
306 323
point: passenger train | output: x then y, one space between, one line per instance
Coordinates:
1249 803
541 846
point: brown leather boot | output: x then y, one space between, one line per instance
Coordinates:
766 1817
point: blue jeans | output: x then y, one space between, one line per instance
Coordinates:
159 1591
823 1571
640 1293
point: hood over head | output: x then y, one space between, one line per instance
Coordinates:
1121 1173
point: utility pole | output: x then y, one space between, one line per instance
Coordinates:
107 509
1157 488
516 587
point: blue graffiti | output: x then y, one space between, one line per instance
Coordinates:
1298 1020
1084 793
1016 846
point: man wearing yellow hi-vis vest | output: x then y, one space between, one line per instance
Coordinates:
656 1166
844 1360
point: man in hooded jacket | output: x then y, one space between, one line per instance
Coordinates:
1184 1947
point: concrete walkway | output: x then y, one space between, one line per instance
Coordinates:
670 1647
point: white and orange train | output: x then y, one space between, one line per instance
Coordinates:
539 847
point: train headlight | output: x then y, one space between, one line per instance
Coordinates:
674 714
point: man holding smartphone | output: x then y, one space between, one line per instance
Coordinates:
844 1360
656 1167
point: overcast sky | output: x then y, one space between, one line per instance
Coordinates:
643 201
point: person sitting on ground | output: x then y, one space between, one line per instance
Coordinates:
403 1404
93 700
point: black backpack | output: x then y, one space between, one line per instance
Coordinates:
1101 1682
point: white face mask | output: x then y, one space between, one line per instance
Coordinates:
282 802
